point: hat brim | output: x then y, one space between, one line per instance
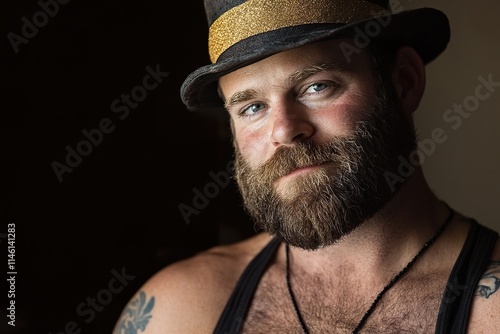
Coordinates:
427 30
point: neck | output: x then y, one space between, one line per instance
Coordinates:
386 241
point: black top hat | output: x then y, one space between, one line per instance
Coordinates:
243 32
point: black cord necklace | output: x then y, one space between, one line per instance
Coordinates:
380 294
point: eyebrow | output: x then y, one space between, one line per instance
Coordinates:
241 96
295 77
310 70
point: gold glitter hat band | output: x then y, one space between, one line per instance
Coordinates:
259 16
244 32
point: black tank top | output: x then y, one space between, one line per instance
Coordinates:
455 304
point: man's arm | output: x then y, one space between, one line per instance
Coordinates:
185 297
136 315
490 281
188 296
485 316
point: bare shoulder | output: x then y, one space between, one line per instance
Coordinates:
485 316
188 296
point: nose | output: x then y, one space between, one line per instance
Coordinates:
289 125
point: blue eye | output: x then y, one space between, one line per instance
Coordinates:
251 110
316 87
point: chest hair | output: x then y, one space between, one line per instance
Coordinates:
336 305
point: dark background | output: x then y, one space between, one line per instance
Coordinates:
118 208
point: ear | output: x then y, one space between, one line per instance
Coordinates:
408 75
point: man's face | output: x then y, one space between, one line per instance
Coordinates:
313 136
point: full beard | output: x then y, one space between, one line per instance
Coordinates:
318 208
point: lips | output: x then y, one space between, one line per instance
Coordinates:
305 168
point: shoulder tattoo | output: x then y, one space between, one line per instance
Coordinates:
135 317
490 281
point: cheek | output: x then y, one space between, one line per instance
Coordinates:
252 147
340 120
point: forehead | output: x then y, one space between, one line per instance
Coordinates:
339 54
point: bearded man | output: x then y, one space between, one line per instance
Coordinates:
321 126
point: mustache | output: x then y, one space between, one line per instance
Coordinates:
302 154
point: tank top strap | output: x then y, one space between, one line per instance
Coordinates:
235 311
471 263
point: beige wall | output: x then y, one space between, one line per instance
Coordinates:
464 170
